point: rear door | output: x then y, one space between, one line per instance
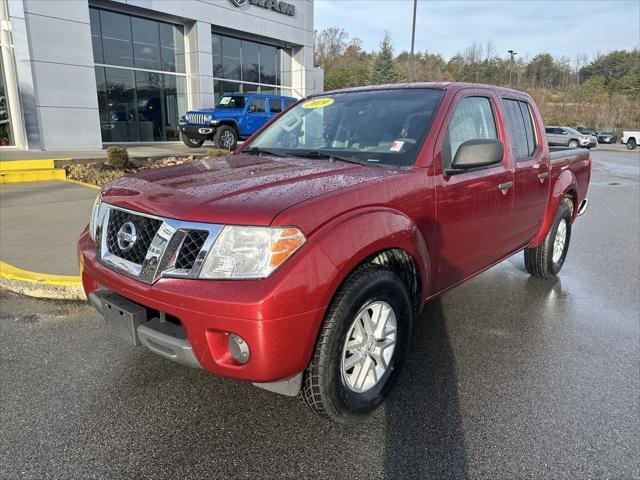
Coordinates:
473 209
256 114
531 175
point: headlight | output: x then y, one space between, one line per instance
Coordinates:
93 221
250 252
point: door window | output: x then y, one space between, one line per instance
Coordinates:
257 105
472 120
275 106
522 132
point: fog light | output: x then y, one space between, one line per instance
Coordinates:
238 348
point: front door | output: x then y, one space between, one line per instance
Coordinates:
473 209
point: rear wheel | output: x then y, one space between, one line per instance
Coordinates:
574 144
226 137
361 346
191 142
631 144
546 259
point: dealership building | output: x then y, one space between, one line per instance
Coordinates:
77 74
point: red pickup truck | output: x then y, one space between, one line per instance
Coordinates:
300 262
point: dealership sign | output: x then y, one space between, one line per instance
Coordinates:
280 7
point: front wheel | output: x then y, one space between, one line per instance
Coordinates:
191 142
226 137
631 144
574 144
546 259
361 346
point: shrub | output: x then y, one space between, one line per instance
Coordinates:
118 157
217 152
92 173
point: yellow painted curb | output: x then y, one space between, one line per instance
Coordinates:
40 285
84 184
39 175
9 165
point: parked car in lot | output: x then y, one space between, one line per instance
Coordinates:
300 262
569 137
236 116
607 136
631 138
587 131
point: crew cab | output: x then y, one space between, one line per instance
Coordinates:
236 116
301 261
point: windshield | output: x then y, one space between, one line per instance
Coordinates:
385 127
573 130
231 101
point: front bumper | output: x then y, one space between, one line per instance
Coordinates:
279 327
198 132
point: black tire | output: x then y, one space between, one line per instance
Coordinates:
539 260
226 137
191 142
574 144
631 144
324 389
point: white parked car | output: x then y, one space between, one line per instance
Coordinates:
631 138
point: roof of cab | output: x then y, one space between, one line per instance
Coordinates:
437 85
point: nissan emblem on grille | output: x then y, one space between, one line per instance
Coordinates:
127 236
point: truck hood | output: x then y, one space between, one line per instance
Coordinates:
239 189
221 113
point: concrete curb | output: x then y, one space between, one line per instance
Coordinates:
613 149
40 285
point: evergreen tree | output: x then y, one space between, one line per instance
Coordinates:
384 69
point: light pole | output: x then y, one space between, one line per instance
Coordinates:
513 56
413 40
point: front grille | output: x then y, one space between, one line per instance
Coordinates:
190 249
198 118
146 229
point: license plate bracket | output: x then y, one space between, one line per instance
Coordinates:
123 317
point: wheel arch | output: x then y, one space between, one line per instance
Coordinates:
565 187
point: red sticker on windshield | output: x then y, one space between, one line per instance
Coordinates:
396 146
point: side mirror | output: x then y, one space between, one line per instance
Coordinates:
477 153
252 109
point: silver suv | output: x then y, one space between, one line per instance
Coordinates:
569 137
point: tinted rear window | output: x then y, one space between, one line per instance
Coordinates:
521 126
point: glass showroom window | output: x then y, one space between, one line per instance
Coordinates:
140 77
243 66
6 135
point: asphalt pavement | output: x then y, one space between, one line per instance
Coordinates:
40 223
509 377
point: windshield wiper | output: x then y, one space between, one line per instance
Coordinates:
262 151
328 156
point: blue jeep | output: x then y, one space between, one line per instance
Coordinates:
236 116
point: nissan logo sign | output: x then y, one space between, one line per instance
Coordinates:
280 7
127 236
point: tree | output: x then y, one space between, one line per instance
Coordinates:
384 69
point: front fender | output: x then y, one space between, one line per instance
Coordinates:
565 184
351 238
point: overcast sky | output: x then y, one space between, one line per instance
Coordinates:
528 27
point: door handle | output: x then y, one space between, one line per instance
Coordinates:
543 175
505 185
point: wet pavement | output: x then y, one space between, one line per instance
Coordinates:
509 377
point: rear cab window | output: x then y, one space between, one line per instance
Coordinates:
523 135
472 119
